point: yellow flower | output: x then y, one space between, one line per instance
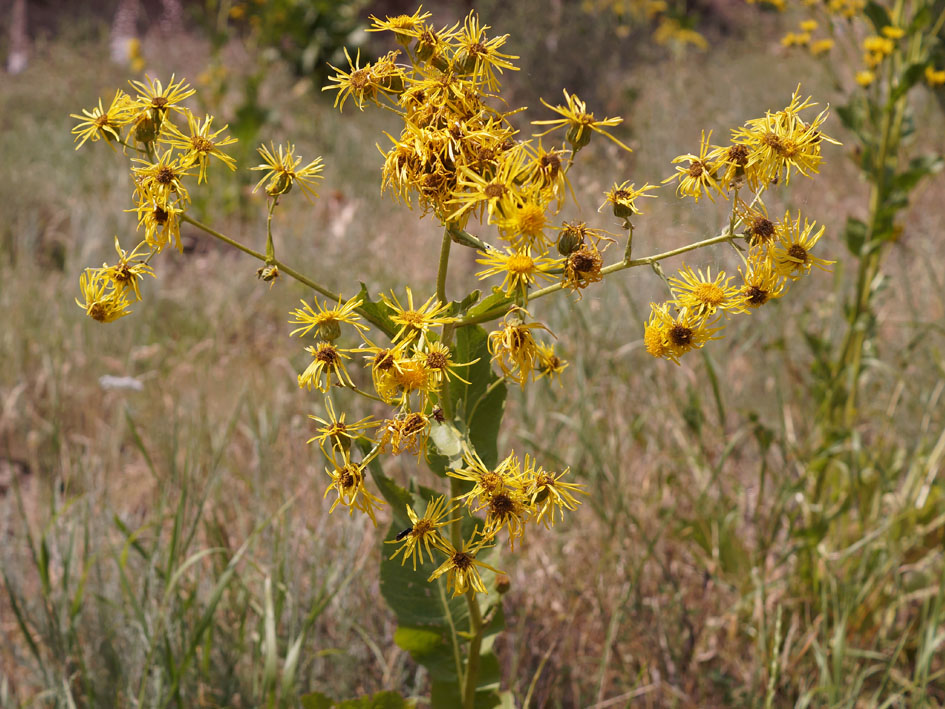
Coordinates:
423 534
326 321
821 46
462 568
158 100
365 82
405 432
200 145
438 360
103 302
506 508
933 77
696 177
791 256
893 32
513 346
415 321
161 222
327 362
520 268
759 229
761 283
703 295
671 336
549 364
548 494
622 198
727 163
809 25
582 267
337 432
865 77
478 56
283 171
496 190
404 27
127 272
347 479
159 182
579 123
523 222
102 123
487 481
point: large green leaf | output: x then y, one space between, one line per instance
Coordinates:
377 313
878 15
481 403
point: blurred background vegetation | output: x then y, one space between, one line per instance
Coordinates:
165 540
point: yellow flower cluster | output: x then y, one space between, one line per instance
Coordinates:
764 153
512 495
144 124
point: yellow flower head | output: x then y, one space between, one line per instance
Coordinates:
405 432
578 122
125 274
583 267
761 283
326 321
283 171
520 268
702 294
161 222
103 123
792 255
696 178
103 302
513 346
152 96
462 568
414 321
405 27
347 480
327 362
548 494
549 363
200 144
671 336
336 432
161 181
622 198
423 535
479 57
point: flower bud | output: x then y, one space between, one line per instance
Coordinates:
502 584
578 136
570 240
330 330
281 183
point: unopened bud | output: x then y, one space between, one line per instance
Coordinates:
502 584
578 136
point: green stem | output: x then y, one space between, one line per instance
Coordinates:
270 247
443 266
607 270
476 627
283 268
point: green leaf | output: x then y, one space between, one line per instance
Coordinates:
445 695
417 641
498 299
853 116
481 403
396 496
316 700
855 235
381 700
918 168
908 79
878 15
444 448
921 19
378 313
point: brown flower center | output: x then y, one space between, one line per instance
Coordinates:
680 335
